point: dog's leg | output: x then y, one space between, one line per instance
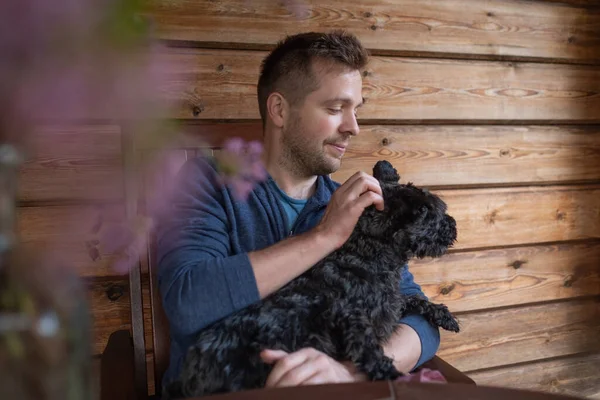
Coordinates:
360 346
437 314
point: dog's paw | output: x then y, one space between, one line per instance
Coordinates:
445 319
451 325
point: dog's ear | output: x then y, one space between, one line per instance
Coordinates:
383 171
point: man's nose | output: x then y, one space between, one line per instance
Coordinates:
351 125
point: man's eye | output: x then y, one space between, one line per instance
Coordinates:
335 110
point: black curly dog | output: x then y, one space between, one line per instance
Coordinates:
346 306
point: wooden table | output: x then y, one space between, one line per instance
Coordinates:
389 391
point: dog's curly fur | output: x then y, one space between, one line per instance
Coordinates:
346 306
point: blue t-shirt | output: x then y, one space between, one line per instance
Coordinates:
291 206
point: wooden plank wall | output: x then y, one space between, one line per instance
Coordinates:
492 104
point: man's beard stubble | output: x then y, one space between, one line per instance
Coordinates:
298 155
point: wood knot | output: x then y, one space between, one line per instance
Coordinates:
491 14
517 264
366 73
571 39
373 27
568 282
447 289
368 14
560 216
491 217
221 67
114 292
504 152
385 141
196 110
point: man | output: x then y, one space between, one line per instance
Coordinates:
218 254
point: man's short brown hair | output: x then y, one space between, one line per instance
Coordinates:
288 69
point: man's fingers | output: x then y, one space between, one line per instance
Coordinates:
367 199
359 183
284 365
350 181
271 356
298 374
365 186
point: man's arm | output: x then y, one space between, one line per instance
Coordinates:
311 367
199 281
415 329
279 264
404 347
414 342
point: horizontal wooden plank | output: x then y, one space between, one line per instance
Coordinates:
518 216
221 84
573 376
203 135
490 28
508 336
440 155
472 155
477 280
67 234
80 162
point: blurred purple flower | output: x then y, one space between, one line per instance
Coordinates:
161 183
76 60
240 167
128 240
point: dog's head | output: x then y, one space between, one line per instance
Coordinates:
414 219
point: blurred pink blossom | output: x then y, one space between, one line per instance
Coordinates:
87 60
129 240
240 167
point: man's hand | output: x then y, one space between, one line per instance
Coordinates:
347 204
278 264
307 367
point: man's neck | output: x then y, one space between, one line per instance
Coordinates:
294 185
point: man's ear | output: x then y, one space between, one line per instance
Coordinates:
277 109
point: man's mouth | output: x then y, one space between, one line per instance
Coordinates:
340 147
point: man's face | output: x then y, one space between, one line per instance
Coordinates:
317 132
